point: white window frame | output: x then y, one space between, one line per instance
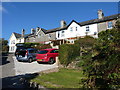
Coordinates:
87 28
71 29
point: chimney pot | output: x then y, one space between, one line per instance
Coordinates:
100 14
23 32
33 31
63 23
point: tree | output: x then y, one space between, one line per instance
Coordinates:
103 67
5 46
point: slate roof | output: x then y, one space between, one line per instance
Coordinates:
44 30
17 35
107 18
56 29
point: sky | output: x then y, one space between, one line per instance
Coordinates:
26 15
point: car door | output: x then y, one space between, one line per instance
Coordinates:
34 52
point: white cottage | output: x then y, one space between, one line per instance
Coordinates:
75 29
14 39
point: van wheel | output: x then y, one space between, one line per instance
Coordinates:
30 60
51 61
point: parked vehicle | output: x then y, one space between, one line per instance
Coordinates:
19 49
27 55
47 55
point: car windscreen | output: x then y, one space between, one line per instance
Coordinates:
42 52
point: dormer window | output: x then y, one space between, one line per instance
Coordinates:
87 28
71 29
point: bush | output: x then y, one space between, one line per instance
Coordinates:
38 46
43 46
67 53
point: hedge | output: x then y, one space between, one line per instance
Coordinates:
67 53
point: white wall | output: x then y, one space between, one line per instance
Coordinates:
81 31
13 41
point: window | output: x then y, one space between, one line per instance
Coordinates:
20 40
110 24
42 52
76 28
58 34
72 41
10 48
62 33
54 51
49 36
87 28
13 42
95 33
71 29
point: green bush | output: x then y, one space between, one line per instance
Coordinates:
38 46
43 46
68 53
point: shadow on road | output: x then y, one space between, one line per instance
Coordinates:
17 82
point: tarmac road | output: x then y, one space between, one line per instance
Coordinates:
8 79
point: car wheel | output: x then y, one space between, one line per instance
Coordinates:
38 62
51 61
30 60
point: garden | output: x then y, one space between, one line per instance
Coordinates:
96 63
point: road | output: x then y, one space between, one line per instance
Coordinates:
13 72
8 77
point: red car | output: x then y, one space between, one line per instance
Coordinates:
47 55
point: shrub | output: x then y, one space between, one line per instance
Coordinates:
38 46
43 46
67 53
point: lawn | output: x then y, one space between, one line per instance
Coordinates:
65 78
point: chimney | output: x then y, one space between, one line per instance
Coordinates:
23 32
62 23
100 14
33 31
37 29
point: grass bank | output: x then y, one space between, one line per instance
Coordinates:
65 78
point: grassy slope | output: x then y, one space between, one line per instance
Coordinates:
65 78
